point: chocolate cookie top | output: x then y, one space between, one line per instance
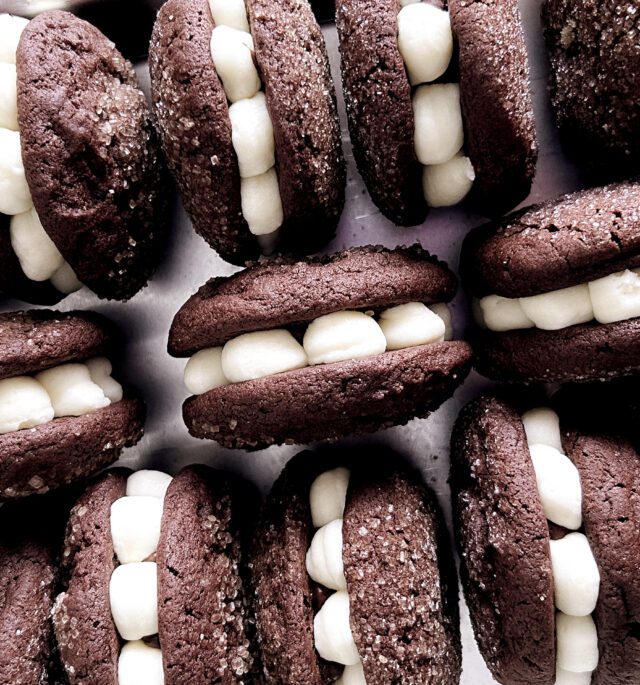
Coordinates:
85 632
379 110
595 80
34 340
193 118
91 155
504 543
280 293
557 244
204 618
500 136
610 476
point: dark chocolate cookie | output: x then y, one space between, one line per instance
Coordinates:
504 544
91 154
595 80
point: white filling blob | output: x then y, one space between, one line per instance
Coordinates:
8 97
568 678
203 371
252 135
100 369
135 527
559 308
559 486
616 297
140 663
65 281
448 183
411 324
577 648
352 675
542 426
11 29
261 202
39 257
328 496
324 557
259 354
332 631
231 13
576 577
425 41
501 313
24 403
71 390
438 122
148 483
15 197
442 310
133 597
232 54
341 336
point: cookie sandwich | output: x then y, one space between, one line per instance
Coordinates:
152 578
438 104
246 109
556 288
354 581
548 524
293 352
82 182
62 415
594 80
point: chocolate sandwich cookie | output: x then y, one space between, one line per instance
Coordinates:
556 288
353 577
62 415
82 184
293 352
594 79
30 535
153 582
438 103
548 523
246 108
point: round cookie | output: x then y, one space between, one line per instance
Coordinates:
589 239
495 104
200 575
401 553
189 97
353 394
594 80
45 453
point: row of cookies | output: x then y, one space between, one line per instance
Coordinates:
244 106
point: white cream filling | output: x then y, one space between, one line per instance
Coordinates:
612 298
332 633
576 577
233 55
135 530
65 390
339 336
425 41
39 258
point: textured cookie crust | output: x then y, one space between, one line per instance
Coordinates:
13 282
401 579
91 154
84 628
557 244
192 114
31 341
274 294
203 613
283 588
39 459
590 351
28 574
294 67
325 402
503 540
377 96
595 80
610 475
497 111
